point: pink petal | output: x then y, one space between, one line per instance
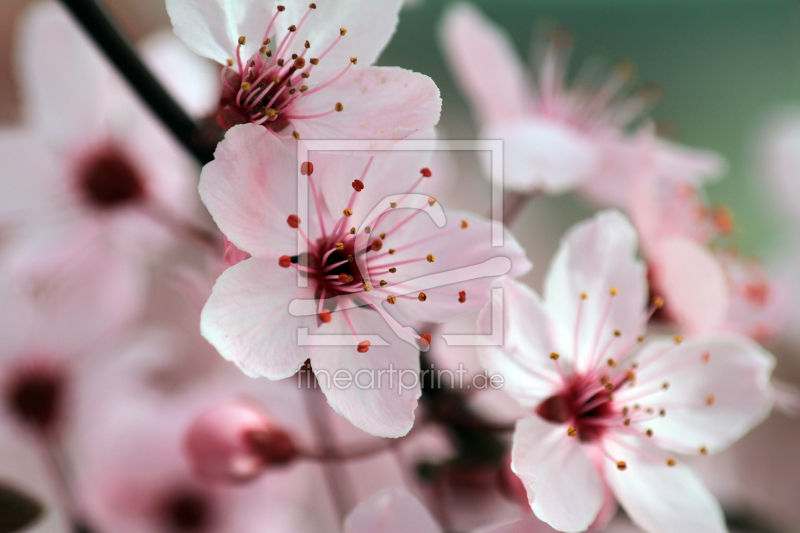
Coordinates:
390 511
594 258
212 28
53 42
370 26
660 498
734 381
529 337
379 103
564 487
486 64
373 401
692 283
247 318
250 189
453 248
684 164
544 155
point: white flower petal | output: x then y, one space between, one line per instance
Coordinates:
390 511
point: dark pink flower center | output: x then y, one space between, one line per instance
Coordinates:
266 87
587 413
108 179
187 510
35 398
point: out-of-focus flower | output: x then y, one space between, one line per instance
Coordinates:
390 511
135 476
560 136
272 77
90 161
607 414
376 253
235 442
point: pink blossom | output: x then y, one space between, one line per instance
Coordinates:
604 413
293 68
559 136
89 163
356 210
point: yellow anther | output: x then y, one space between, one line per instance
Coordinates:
303 88
710 399
611 363
392 204
367 287
281 8
382 235
340 246
245 85
640 338
267 41
678 339
312 6
314 61
296 134
383 283
670 462
665 385
617 333
392 299
464 224
393 270
242 40
613 291
353 231
339 107
627 421
609 386
391 251
430 258
292 28
422 297
350 259
342 31
703 450
622 465
431 201
262 50
347 212
354 60
649 432
658 302
307 44
571 431
584 296
554 356
229 62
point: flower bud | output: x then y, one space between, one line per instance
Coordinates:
235 442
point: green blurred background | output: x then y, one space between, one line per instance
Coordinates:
725 65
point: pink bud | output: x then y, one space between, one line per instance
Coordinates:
232 254
235 442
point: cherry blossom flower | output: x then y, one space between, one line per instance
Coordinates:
560 136
365 254
293 68
606 414
90 163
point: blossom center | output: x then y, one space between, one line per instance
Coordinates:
187 510
587 410
266 87
35 398
108 180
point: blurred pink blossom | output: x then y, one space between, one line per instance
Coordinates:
561 136
605 414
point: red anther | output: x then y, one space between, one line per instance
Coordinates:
358 185
293 221
307 168
363 347
425 340
462 296
376 245
345 278
426 172
325 316
285 261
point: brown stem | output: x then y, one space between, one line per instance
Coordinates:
354 453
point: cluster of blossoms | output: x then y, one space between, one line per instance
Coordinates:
122 302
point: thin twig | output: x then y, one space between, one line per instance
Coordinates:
121 53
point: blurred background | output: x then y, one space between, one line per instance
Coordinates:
726 67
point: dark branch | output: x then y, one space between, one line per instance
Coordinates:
119 51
